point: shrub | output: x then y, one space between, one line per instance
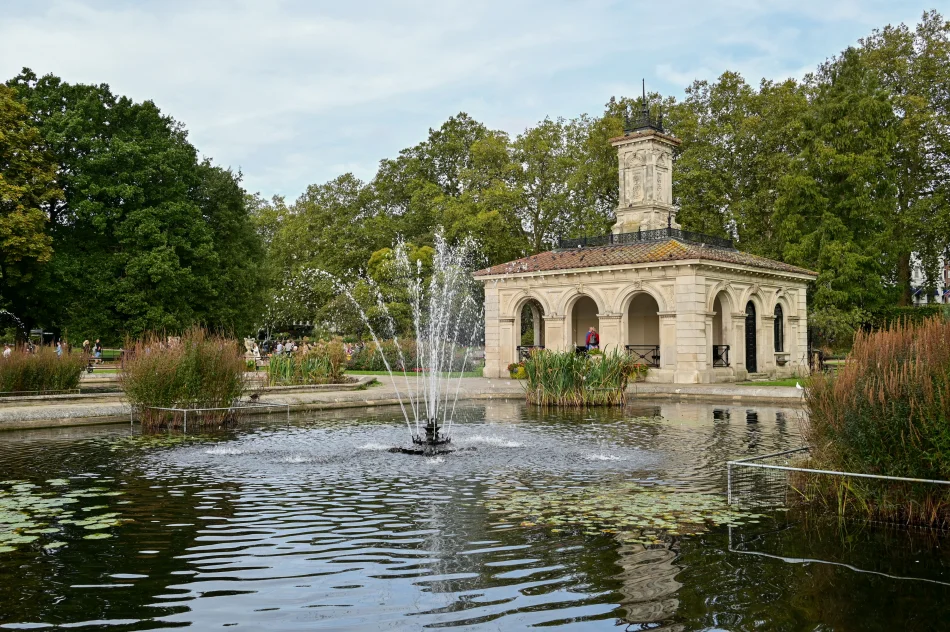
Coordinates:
565 378
41 371
403 358
886 411
201 371
322 363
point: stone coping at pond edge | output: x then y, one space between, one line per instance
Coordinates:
76 410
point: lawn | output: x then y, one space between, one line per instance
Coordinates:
790 381
475 373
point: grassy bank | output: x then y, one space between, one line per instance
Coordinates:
887 412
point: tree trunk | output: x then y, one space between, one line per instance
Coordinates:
903 280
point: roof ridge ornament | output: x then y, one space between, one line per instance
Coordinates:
645 121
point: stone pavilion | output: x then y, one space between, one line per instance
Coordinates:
690 306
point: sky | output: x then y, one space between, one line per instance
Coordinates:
297 92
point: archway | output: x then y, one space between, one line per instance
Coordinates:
721 333
583 317
750 339
530 328
643 330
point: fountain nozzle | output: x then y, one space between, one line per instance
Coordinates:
433 434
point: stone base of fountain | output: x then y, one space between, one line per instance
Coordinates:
433 442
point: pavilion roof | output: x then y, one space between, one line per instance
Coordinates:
636 253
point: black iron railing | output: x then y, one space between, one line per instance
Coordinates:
645 354
720 355
524 351
659 234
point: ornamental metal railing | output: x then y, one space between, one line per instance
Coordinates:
645 354
720 355
524 351
621 239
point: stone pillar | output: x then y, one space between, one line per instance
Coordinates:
709 339
737 348
554 332
691 333
507 342
610 334
667 340
766 342
492 341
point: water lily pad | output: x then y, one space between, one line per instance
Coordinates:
97 536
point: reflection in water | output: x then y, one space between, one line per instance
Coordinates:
311 524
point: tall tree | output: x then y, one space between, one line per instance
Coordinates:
27 190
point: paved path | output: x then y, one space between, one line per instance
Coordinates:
112 408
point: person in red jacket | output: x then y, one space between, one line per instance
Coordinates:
593 340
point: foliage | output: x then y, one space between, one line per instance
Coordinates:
321 363
41 371
27 188
914 314
201 370
887 411
400 356
566 378
517 371
145 236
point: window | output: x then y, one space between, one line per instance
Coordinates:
779 329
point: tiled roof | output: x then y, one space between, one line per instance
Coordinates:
629 254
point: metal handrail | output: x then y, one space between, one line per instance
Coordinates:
659 234
649 354
720 355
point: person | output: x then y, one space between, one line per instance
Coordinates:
279 349
85 346
59 349
593 340
7 351
97 351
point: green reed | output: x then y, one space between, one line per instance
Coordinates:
565 378
322 363
41 370
887 412
199 370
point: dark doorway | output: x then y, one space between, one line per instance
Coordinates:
750 359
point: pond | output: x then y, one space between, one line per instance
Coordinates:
598 520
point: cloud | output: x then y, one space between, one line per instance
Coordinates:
295 91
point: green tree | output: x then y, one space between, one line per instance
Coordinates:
838 197
27 190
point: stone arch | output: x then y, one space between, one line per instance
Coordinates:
722 286
582 312
748 294
516 302
566 304
627 294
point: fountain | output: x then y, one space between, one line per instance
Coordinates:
18 322
447 320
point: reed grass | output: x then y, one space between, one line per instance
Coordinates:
202 370
565 378
41 370
322 363
886 411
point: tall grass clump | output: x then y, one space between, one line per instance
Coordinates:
565 378
41 371
322 363
202 370
887 412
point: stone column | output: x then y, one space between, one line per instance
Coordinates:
610 335
737 348
507 344
766 342
492 341
667 340
691 334
554 332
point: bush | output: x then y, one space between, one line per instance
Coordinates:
565 378
202 370
41 371
322 363
403 358
887 411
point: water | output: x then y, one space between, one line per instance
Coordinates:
446 320
311 524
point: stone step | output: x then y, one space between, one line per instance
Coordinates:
758 377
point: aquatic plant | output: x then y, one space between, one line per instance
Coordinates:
886 412
322 363
565 378
31 514
638 513
199 371
41 370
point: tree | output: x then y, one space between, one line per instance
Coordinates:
145 237
27 189
838 197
